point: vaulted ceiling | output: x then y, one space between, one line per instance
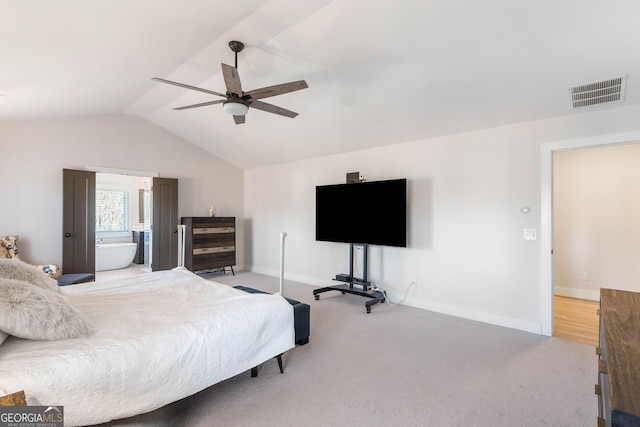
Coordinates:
379 72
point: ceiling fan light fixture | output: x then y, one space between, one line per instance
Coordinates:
235 108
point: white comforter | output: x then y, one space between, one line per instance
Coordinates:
160 337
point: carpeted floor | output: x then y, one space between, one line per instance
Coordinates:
398 366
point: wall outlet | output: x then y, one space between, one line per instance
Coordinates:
584 276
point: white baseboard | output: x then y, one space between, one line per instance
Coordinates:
480 316
577 293
465 313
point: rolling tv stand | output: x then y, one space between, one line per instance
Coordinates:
354 285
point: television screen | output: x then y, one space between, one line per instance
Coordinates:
372 213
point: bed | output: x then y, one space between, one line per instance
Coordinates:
159 337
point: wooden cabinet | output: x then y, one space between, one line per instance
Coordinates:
210 243
618 387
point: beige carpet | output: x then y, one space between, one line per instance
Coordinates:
398 366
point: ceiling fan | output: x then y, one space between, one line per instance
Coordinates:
237 102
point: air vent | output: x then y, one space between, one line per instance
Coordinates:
602 92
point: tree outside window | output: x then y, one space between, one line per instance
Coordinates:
112 211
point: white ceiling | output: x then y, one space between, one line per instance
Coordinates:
379 73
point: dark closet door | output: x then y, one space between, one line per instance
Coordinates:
164 224
78 221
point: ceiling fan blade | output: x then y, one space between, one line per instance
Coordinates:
158 79
239 119
266 92
232 79
202 104
269 108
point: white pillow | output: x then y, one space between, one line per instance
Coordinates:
18 270
3 336
30 312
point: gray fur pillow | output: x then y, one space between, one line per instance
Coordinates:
30 312
18 270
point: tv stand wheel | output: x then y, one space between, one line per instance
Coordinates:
368 310
317 297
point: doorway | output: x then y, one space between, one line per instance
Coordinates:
547 218
123 222
596 236
79 218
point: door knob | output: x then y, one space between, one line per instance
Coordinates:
67 234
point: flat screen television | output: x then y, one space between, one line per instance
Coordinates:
372 212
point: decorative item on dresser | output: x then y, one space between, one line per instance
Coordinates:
618 387
210 243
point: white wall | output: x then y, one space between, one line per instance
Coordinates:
466 248
466 191
34 152
596 220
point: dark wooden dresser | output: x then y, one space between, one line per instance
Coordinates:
210 243
618 387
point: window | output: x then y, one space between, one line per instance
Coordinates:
112 210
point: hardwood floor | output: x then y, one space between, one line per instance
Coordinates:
576 319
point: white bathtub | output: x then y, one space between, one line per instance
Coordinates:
113 256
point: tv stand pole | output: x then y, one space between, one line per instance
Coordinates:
353 285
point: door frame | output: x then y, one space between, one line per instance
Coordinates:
546 212
131 172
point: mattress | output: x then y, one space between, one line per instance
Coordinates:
159 337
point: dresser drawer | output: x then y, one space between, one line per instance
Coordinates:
210 261
214 250
214 230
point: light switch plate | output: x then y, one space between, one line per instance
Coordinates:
530 234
